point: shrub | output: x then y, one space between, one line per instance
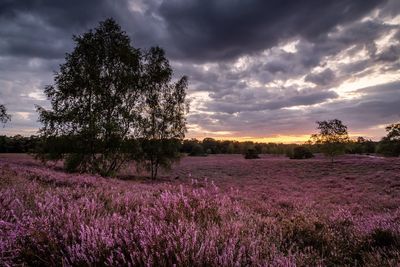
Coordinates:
289 152
384 238
251 154
301 152
389 148
72 162
197 150
390 144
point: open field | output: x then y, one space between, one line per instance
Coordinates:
220 210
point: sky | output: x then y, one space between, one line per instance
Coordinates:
258 70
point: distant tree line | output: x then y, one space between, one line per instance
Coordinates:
194 147
18 144
331 140
191 147
388 146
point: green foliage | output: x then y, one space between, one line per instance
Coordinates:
213 146
332 137
389 148
73 162
164 109
361 146
18 144
390 144
197 150
55 148
289 152
108 94
393 132
95 97
301 152
158 153
210 145
251 154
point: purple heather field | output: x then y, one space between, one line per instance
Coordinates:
208 211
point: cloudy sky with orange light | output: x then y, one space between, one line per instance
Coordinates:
258 70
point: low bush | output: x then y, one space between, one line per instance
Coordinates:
389 148
72 162
197 150
251 154
301 152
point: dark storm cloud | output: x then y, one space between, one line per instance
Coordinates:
206 29
201 30
44 28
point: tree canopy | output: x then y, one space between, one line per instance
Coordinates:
390 144
103 96
393 132
163 120
332 137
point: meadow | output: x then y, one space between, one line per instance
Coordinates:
220 210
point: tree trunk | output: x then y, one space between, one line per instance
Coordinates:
155 170
152 168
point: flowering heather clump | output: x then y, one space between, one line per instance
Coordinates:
48 218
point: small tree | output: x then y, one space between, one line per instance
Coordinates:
393 132
4 116
163 118
95 99
332 137
390 144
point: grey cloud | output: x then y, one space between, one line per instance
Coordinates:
377 105
324 77
260 101
391 54
354 67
